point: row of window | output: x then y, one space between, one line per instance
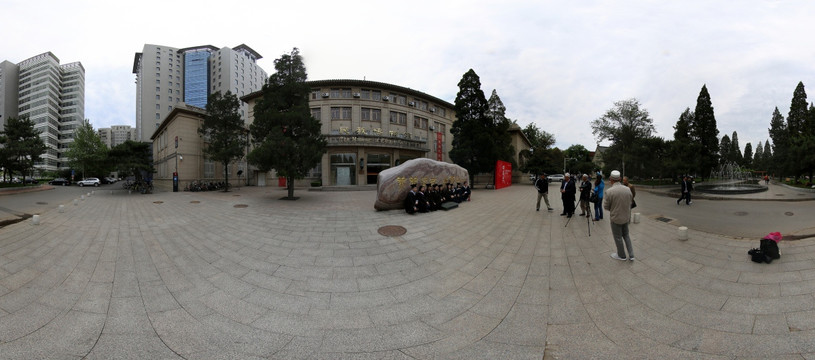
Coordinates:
368 94
373 115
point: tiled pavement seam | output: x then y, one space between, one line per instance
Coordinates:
311 278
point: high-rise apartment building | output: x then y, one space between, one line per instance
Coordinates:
116 134
51 95
168 76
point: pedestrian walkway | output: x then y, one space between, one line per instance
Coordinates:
243 275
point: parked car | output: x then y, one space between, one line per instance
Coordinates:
60 181
88 182
29 180
109 180
555 177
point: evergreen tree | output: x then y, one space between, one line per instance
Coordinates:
133 158
735 149
747 160
682 149
223 131
780 137
22 145
767 159
286 137
724 149
798 110
758 158
87 152
502 144
705 133
473 129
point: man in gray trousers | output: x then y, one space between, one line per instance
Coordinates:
617 201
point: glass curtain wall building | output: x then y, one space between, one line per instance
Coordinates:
196 79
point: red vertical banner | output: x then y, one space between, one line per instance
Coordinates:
503 174
439 143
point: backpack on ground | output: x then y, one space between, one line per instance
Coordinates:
767 250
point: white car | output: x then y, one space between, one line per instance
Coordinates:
555 177
88 182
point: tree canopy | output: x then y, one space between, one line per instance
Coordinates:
20 145
540 157
704 132
286 137
223 131
133 158
628 126
87 153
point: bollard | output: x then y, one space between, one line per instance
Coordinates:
636 218
93 192
35 219
76 202
683 233
89 194
82 197
62 209
111 192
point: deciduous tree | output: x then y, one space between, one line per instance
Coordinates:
87 153
626 124
223 131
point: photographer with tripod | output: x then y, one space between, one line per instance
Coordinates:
585 192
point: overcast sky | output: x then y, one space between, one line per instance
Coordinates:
558 64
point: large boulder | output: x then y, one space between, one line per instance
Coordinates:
392 185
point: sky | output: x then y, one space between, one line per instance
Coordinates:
557 64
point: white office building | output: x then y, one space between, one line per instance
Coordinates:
116 134
168 76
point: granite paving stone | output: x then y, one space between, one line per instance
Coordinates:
120 276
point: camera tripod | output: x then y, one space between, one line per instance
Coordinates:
589 218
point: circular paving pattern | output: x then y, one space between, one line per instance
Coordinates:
789 213
392 230
158 202
241 206
740 213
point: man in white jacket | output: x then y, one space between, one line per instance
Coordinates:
617 201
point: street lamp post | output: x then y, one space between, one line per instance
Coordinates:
564 163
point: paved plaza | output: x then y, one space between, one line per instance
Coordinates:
245 275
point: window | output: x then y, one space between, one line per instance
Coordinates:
335 93
158 88
158 97
343 168
315 113
340 113
398 118
376 95
209 169
346 93
422 105
158 107
158 81
365 94
369 114
398 99
158 116
419 123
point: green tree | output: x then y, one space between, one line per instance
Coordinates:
798 110
735 150
223 131
747 160
581 159
681 153
87 152
758 158
502 147
625 125
286 137
133 158
781 143
767 159
473 131
22 145
704 132
724 149
539 158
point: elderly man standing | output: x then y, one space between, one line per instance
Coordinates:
617 201
567 191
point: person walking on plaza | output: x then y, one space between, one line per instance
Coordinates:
599 189
687 187
618 202
567 191
585 192
542 185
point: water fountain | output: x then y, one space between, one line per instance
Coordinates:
731 179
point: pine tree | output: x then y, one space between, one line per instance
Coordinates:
798 110
758 158
780 137
22 145
286 137
767 159
735 149
747 160
683 148
705 133
502 144
724 149
223 131
472 130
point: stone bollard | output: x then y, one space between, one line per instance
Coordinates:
635 218
93 192
89 194
76 202
683 233
35 219
61 209
82 197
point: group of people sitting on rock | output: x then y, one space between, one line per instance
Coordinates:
425 198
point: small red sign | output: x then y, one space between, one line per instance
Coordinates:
439 153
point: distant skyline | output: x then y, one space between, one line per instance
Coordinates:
559 65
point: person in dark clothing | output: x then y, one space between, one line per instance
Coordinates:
423 205
467 191
567 193
585 192
686 188
542 185
411 200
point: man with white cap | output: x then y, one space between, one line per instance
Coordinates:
617 201
567 191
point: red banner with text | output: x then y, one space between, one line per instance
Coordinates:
439 154
503 174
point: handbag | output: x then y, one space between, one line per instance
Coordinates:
593 198
633 203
